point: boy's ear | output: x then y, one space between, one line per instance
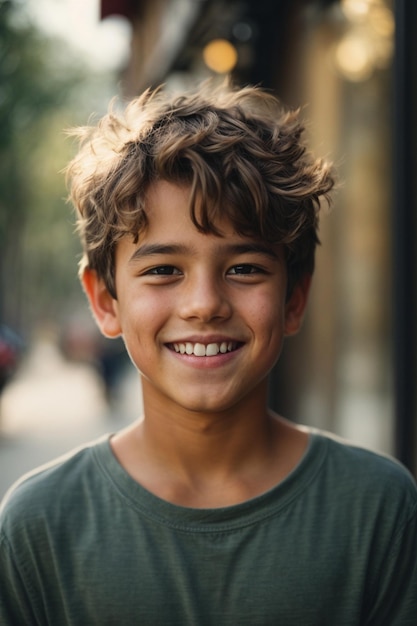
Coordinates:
102 303
296 306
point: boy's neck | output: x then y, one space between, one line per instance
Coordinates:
206 461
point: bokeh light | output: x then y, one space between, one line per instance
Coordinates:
220 56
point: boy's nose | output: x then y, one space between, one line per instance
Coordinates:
204 299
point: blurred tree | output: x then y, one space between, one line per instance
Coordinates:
41 93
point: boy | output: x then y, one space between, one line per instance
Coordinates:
198 217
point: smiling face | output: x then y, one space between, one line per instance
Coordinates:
203 316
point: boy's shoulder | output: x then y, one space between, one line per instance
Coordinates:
353 471
52 486
344 452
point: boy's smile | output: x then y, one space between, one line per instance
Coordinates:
206 352
203 316
222 346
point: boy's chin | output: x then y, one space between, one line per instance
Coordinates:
213 403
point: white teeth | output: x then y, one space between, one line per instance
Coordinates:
199 349
212 349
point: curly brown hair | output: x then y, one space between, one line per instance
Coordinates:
237 149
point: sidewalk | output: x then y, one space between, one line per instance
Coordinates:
53 406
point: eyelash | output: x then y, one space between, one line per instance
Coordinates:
170 270
157 271
249 267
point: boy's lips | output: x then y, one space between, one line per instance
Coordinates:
204 347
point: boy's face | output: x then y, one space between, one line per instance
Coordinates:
203 317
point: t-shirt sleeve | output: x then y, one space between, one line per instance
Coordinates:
394 603
15 605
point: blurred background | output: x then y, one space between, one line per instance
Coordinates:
350 65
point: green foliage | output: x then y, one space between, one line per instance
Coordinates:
42 90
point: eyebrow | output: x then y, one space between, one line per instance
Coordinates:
253 248
153 249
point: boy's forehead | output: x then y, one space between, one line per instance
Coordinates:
169 229
170 202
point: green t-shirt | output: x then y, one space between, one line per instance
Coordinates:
335 543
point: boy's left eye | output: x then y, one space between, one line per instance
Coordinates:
244 269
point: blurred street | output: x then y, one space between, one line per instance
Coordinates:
53 405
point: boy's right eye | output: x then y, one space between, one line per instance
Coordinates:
163 270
